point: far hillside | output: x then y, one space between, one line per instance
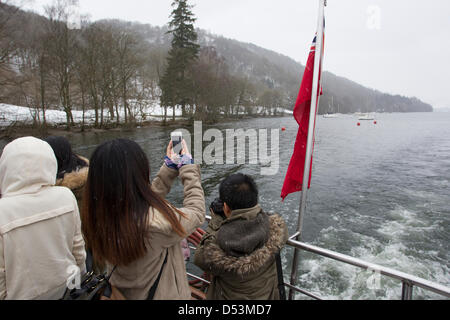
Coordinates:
114 69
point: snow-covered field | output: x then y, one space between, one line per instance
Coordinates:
10 114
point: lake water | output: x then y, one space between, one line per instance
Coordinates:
379 192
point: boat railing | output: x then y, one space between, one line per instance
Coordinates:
408 281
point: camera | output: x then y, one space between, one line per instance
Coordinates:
217 207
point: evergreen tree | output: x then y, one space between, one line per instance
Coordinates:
176 83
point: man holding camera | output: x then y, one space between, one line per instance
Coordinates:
241 245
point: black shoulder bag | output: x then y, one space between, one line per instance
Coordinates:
152 291
93 286
281 287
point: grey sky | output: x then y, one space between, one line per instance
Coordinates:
406 53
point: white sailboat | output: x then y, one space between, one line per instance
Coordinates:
331 115
366 117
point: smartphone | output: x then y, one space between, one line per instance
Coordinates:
177 138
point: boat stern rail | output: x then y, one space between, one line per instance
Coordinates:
408 281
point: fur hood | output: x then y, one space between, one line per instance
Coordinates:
76 179
252 263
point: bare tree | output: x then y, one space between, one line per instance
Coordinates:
83 69
31 65
127 47
9 11
61 43
100 64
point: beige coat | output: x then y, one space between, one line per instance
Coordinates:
136 279
40 227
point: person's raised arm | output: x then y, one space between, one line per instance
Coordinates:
166 176
194 199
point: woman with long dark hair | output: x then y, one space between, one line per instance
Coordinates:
72 168
130 226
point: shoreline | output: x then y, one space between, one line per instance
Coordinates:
19 129
15 131
22 130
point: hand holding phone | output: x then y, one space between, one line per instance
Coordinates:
178 152
177 142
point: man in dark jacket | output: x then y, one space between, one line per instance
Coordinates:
241 243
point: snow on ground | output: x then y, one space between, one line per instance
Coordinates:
10 114
286 111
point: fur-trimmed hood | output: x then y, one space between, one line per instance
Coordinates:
76 179
218 259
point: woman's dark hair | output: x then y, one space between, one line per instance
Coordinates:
67 160
118 195
239 191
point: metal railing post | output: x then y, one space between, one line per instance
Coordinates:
294 271
407 290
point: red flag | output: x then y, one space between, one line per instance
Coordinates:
294 177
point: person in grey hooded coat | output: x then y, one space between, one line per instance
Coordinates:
241 244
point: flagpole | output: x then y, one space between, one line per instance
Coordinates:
309 148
